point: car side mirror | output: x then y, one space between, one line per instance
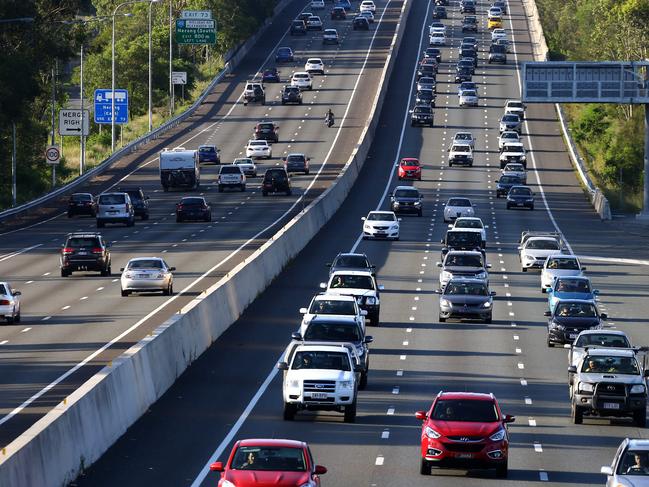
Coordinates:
381 287
572 369
363 218
320 470
421 415
583 268
16 293
398 219
437 291
567 346
439 264
509 419
368 339
492 293
121 269
296 335
603 316
646 373
606 470
595 291
519 248
323 285
363 312
547 313
441 241
303 311
216 467
450 225
544 290
412 111
282 365
488 266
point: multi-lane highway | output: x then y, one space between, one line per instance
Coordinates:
73 326
233 390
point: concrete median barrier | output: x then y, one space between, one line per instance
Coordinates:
79 430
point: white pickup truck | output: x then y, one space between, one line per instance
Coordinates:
320 376
231 176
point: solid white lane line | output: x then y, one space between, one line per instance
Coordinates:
18 252
46 318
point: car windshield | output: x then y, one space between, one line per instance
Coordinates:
463 260
423 110
520 192
112 199
515 104
426 80
572 286
321 360
510 118
145 264
466 289
381 216
461 148
243 161
634 463
269 458
275 176
603 339
469 93
261 143
575 310
83 242
335 332
314 60
81 197
410 162
463 239
332 307
425 95
266 126
463 137
543 244
232 169
514 167
514 148
330 32
295 158
207 149
563 263
509 180
347 281
509 135
610 365
465 410
406 193
466 223
192 202
459 201
468 86
351 261
438 34
284 50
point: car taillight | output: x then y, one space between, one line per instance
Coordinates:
68 250
4 302
97 250
179 207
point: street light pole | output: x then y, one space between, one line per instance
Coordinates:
171 103
82 157
14 165
151 2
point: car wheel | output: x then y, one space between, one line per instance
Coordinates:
420 213
363 382
69 215
489 319
264 193
524 269
289 412
10 320
501 471
220 189
100 224
17 319
424 467
289 193
550 343
350 413
243 188
208 218
508 207
64 273
442 319
577 414
179 219
532 207
639 417
125 293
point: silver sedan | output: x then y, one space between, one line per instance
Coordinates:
9 303
147 274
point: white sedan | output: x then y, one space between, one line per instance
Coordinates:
437 39
508 136
314 65
259 149
367 5
147 274
456 208
332 304
469 98
498 34
302 80
381 224
9 303
560 265
317 5
368 15
247 165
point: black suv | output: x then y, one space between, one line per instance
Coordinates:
291 94
406 199
139 201
82 204
467 7
298 27
497 54
276 180
338 13
470 24
462 74
439 12
461 239
85 252
422 115
434 52
267 131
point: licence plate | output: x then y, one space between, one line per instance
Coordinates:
611 405
112 212
572 336
82 253
319 395
142 276
464 455
520 204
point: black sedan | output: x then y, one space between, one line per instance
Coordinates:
463 74
271 75
439 12
82 204
569 318
434 52
520 197
466 298
406 199
193 208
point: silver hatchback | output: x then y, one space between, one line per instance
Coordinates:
115 208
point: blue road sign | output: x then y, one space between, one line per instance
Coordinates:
103 106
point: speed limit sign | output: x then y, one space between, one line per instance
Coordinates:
52 154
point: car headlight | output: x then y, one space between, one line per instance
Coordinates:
481 275
637 389
346 384
293 384
487 304
446 275
556 325
586 387
160 276
444 302
395 203
395 226
370 300
367 227
498 435
417 203
531 258
431 433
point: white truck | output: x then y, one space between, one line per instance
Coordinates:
320 376
179 168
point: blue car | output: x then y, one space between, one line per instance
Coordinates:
270 75
570 288
284 55
346 4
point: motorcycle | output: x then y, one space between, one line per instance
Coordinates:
329 120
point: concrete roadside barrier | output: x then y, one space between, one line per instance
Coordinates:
77 432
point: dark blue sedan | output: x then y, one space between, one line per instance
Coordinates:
284 55
270 75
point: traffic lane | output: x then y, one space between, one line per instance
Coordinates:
253 329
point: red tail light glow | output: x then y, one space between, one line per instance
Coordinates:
4 302
97 250
68 250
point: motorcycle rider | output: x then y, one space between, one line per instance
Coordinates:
329 117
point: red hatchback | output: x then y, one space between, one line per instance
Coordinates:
276 463
464 429
409 168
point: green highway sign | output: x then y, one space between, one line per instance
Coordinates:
194 31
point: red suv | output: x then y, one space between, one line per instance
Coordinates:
281 463
409 168
464 429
